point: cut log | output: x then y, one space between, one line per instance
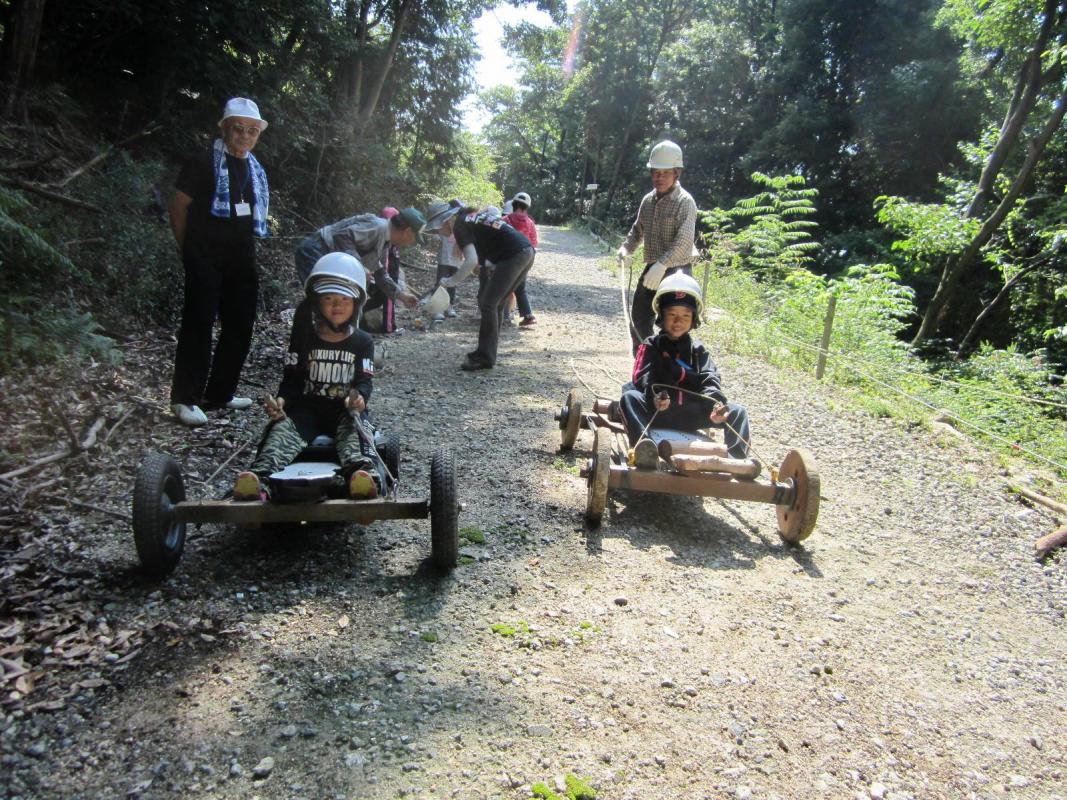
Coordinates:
668 449
742 468
1049 542
1040 499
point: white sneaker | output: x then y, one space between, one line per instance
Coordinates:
438 317
239 403
451 312
189 415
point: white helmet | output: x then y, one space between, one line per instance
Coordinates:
338 273
665 155
492 211
680 289
522 197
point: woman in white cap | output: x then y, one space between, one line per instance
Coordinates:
219 207
519 218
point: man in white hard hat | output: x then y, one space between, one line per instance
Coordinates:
666 223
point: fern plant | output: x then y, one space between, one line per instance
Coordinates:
778 236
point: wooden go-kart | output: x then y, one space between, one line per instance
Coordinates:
308 490
690 464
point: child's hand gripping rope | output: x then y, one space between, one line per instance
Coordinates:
275 407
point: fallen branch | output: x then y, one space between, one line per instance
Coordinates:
27 166
36 188
86 444
90 507
1040 499
115 427
92 162
1049 542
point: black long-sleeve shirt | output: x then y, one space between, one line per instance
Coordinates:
319 374
683 363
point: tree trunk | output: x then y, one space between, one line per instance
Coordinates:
955 269
979 322
370 105
1022 103
20 48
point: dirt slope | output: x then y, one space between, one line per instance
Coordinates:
912 647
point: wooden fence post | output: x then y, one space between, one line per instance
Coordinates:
827 328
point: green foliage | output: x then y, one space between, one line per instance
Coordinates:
508 630
777 238
472 535
576 789
469 178
39 320
932 231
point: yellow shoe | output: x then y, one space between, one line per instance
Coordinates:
362 486
247 487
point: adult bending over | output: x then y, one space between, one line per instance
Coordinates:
484 237
219 206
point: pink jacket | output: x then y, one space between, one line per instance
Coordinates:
524 224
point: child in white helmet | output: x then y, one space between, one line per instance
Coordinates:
327 377
675 382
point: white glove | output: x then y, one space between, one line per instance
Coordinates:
653 276
623 255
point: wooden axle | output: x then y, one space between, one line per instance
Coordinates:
705 484
358 511
745 468
669 448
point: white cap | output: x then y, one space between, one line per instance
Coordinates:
522 197
242 107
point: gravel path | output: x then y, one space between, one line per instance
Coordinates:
911 649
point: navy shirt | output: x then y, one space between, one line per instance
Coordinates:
493 238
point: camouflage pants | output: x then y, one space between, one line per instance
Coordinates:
283 442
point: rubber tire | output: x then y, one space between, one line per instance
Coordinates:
797 520
569 431
597 496
390 453
444 511
159 540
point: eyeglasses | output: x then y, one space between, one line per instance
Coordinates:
245 130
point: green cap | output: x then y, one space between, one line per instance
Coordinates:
414 219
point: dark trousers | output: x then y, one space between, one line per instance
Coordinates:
506 277
522 300
222 283
688 414
310 250
641 316
446 271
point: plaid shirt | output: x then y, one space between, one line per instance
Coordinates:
667 225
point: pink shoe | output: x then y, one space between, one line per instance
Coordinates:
362 486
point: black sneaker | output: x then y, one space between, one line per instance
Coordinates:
474 364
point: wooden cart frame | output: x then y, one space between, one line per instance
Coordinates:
161 511
793 488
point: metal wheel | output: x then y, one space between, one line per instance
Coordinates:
570 420
599 468
444 511
390 453
159 539
796 521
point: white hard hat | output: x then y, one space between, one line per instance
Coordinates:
242 107
665 155
338 273
522 197
679 288
436 303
